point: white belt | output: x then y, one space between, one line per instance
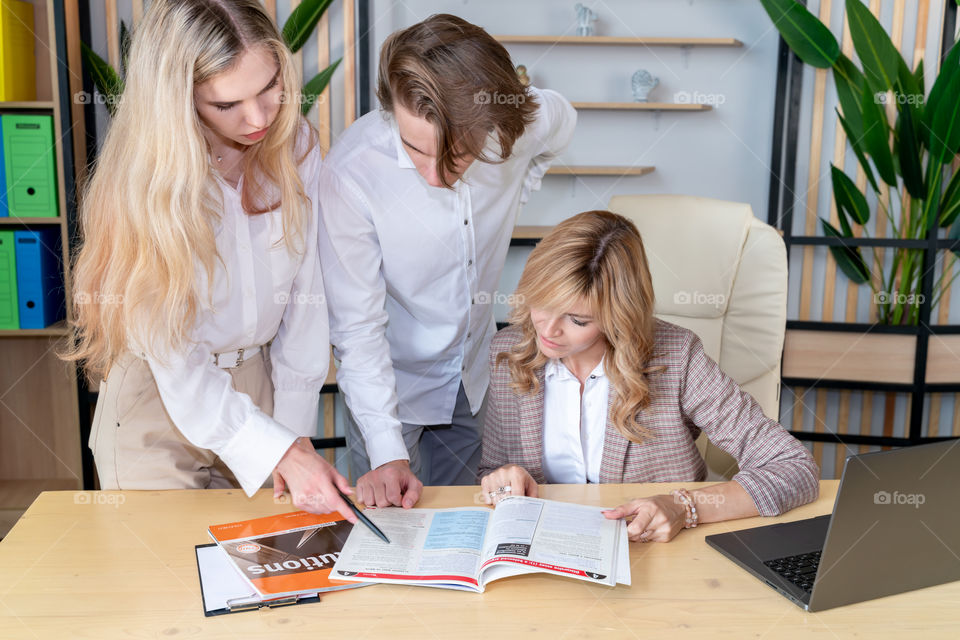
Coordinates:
233 359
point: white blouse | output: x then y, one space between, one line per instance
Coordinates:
573 425
261 293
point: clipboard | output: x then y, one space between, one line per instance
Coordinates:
223 590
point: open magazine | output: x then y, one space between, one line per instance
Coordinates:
290 554
469 547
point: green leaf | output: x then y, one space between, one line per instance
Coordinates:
945 122
950 205
809 38
849 199
124 47
106 80
857 145
918 75
909 154
849 82
880 58
849 259
938 93
315 87
876 135
302 21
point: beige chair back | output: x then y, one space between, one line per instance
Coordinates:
722 273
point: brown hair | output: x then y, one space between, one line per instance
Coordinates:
460 79
596 257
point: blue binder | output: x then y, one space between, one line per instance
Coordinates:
40 293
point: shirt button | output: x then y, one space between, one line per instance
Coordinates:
593 377
469 262
469 334
465 223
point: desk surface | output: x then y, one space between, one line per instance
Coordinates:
121 564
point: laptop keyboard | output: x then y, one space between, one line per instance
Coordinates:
800 569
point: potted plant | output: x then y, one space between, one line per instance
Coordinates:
909 156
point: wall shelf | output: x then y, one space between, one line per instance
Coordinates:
641 106
14 221
618 40
587 170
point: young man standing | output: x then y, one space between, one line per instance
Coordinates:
419 200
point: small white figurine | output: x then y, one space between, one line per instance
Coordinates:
643 83
585 19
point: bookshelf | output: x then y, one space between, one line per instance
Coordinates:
40 446
619 40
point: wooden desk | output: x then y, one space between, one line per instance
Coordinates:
121 564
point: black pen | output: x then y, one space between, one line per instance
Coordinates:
364 519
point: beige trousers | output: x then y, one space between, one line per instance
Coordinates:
135 443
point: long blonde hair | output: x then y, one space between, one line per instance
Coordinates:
596 258
148 212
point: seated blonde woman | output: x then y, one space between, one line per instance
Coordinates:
587 386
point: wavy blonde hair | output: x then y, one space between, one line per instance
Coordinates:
148 211
596 258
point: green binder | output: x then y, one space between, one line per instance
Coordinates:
28 154
9 316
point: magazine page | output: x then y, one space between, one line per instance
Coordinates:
555 537
430 547
287 554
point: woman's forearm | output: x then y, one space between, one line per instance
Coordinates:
724 501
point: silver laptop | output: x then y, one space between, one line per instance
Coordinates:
895 527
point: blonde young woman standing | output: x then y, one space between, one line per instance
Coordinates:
586 385
199 252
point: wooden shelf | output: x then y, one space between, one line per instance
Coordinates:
54 330
617 40
642 106
586 170
14 221
527 233
37 105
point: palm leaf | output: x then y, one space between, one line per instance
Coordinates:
302 21
807 37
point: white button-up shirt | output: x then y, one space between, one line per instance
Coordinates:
261 292
411 270
574 426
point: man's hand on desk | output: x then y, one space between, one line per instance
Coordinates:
390 484
311 480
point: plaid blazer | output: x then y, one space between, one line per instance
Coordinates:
691 394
